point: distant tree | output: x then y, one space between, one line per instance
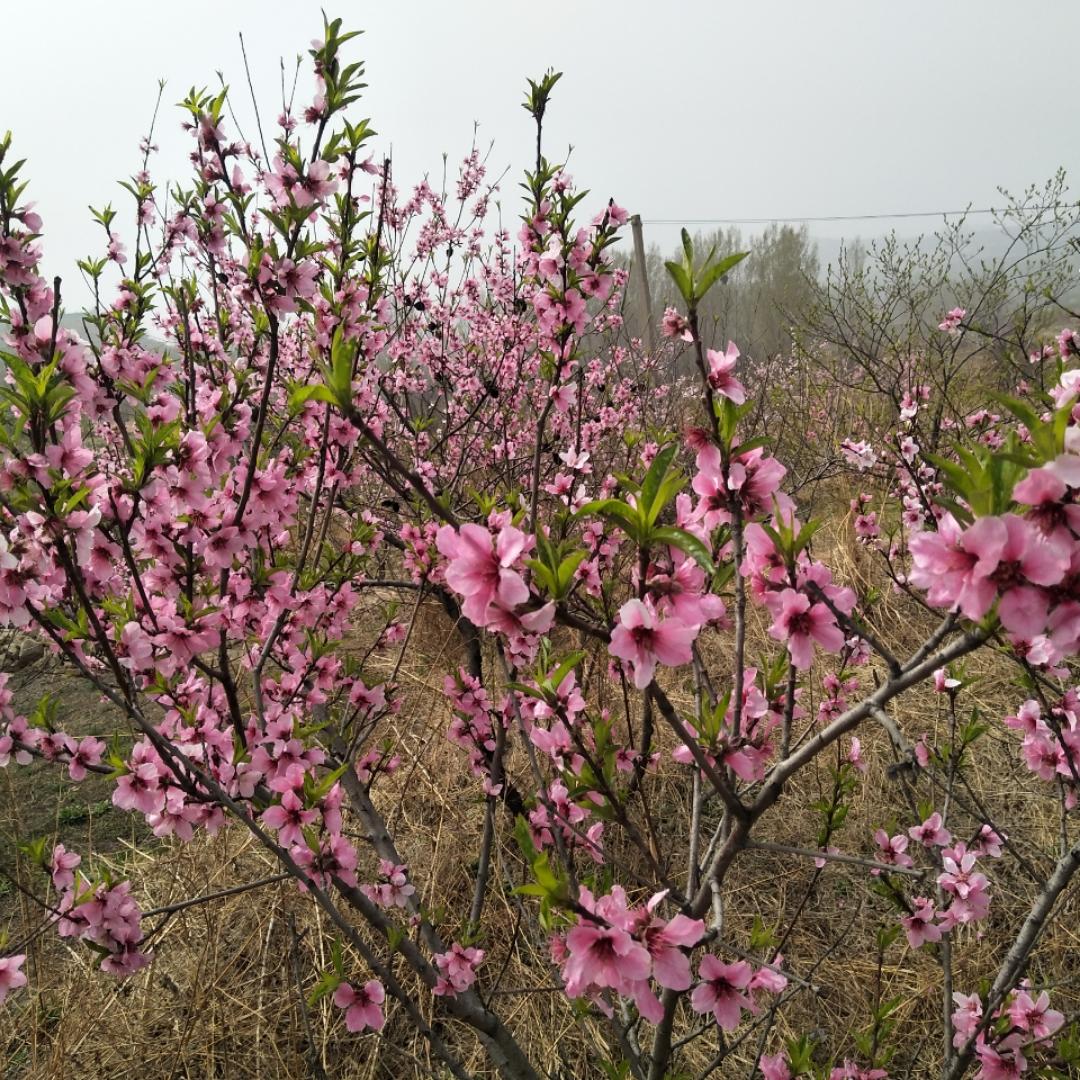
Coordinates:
758 302
874 320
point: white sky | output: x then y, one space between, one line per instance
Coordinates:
680 109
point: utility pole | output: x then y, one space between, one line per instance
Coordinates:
646 293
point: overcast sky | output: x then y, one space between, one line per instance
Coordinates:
681 110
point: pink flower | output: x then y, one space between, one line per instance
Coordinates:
989 842
965 1017
1001 1062
1043 490
362 1005
673 324
87 754
395 890
720 991
774 1067
666 941
563 396
967 887
519 625
922 752
943 683
644 640
1035 1016
952 320
855 757
458 967
62 867
919 925
579 462
1068 387
126 961
138 648
721 379
1027 559
931 833
860 454
768 980
140 789
11 975
683 593
289 819
480 570
800 623
954 566
850 1071
1067 343
866 526
968 568
892 849
821 861
222 547
1043 756
763 564
601 957
752 479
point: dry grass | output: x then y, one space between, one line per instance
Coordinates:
221 1000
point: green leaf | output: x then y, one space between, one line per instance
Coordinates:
556 677
74 500
961 513
301 395
34 850
543 576
1020 409
328 781
687 542
800 1054
650 487
761 936
712 720
545 876
682 281
712 274
530 890
328 982
530 691
750 444
688 249
806 534
524 839
626 517
566 570
545 549
957 477
342 356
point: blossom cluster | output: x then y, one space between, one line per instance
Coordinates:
622 949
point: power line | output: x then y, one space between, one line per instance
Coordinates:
833 217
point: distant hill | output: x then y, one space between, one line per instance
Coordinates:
991 240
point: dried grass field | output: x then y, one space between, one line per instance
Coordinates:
234 963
